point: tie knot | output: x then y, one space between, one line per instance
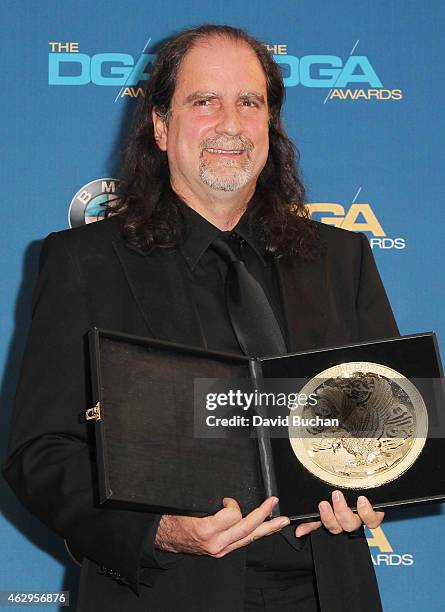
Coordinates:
228 247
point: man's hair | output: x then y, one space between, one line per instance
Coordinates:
153 213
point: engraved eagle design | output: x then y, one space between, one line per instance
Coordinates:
373 422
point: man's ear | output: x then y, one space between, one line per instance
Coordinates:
160 130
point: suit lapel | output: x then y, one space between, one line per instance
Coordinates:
156 280
304 297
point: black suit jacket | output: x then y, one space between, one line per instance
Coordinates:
90 277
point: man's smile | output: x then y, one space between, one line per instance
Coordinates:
224 151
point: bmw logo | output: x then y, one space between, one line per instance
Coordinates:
89 203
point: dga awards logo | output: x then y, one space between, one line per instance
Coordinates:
68 66
358 217
89 203
382 552
347 78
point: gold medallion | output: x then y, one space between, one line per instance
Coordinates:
367 427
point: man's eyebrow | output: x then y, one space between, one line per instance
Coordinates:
196 95
253 95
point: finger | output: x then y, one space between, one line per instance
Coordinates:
228 526
265 529
254 519
368 515
328 517
347 519
306 528
229 515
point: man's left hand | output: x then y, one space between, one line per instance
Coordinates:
339 517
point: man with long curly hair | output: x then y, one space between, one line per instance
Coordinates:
208 161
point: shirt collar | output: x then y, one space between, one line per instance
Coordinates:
201 233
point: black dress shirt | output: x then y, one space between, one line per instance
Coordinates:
206 272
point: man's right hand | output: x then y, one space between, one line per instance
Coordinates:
220 533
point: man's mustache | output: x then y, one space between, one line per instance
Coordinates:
238 143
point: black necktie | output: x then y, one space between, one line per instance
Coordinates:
258 333
253 320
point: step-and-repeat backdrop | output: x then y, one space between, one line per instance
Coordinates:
365 107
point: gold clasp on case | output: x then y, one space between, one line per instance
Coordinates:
93 413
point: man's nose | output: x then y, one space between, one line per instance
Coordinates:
229 121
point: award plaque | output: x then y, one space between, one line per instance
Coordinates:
386 399
370 419
382 426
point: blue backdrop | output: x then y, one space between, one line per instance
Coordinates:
364 105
